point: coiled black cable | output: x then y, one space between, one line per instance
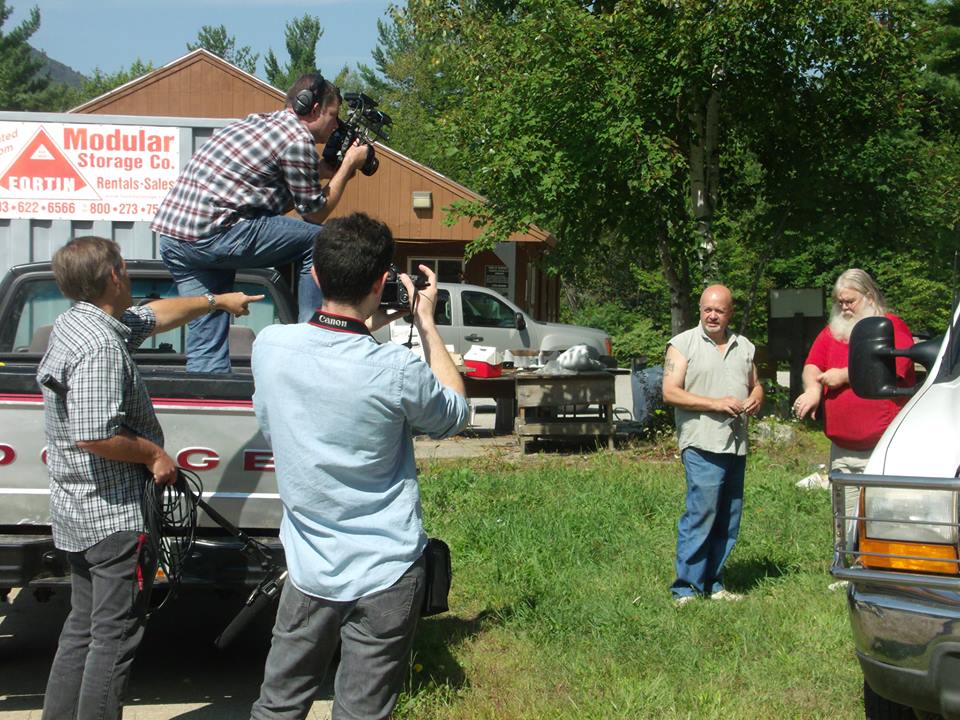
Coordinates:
170 519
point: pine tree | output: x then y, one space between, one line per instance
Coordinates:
302 35
217 41
23 85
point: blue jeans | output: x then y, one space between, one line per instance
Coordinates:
100 636
708 529
210 265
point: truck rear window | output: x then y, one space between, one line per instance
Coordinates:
39 302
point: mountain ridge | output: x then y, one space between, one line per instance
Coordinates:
59 73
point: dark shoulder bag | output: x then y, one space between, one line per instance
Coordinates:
438 575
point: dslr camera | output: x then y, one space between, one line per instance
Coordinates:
364 123
395 295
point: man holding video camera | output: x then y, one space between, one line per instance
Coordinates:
339 411
226 210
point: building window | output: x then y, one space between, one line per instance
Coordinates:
447 269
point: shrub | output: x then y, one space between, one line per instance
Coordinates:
634 335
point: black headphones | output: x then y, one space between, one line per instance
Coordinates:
305 100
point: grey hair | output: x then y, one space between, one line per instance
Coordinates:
860 281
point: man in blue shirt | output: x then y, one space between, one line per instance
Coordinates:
339 411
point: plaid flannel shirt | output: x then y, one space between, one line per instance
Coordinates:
89 352
253 167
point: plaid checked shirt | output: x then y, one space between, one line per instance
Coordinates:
251 168
89 352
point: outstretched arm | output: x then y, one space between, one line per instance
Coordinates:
174 312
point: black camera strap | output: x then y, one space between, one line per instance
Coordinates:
339 323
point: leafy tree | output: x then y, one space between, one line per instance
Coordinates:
727 140
302 35
351 80
102 82
217 41
23 86
409 83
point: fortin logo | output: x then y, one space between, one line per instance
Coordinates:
41 168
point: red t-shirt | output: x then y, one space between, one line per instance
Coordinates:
850 421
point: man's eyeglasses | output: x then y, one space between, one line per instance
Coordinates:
844 303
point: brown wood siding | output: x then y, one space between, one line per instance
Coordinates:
198 85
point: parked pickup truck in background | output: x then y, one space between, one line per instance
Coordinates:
904 567
472 315
208 419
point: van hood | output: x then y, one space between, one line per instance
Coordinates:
578 329
922 440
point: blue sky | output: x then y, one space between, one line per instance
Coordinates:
111 34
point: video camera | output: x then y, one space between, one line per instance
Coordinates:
364 123
395 295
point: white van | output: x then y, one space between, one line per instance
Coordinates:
904 565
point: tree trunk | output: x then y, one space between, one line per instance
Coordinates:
704 176
758 269
678 280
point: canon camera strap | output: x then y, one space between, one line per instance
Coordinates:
339 323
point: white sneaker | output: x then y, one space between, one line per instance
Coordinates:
683 600
813 481
727 595
838 585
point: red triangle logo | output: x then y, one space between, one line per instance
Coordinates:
42 168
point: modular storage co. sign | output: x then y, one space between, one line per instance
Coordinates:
85 172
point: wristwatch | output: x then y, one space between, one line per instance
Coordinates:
211 302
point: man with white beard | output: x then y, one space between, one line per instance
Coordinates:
853 424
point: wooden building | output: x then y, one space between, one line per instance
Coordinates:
410 197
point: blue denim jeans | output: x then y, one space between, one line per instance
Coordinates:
210 265
708 529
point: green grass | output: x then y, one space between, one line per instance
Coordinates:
560 606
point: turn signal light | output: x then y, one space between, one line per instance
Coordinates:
942 558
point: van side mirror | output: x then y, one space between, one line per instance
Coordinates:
872 361
521 322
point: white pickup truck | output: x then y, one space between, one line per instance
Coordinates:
208 419
904 565
208 423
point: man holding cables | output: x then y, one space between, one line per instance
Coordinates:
101 433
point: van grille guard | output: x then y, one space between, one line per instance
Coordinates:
847 562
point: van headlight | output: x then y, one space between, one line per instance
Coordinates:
926 516
909 529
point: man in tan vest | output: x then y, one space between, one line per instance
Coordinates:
709 376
